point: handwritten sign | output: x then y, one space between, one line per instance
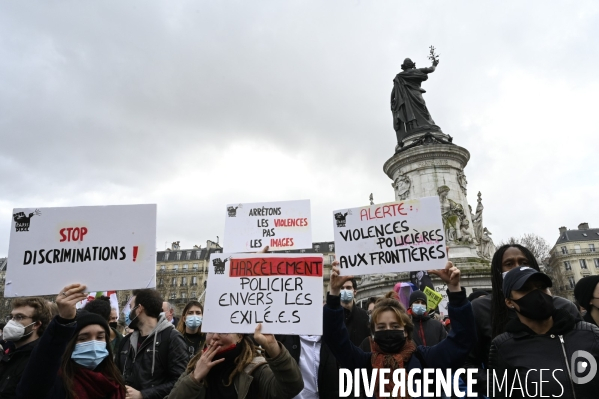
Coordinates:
103 247
284 293
280 225
433 298
392 237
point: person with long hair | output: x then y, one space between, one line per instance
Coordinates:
490 312
73 358
230 367
190 326
392 346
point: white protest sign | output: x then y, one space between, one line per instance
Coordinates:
281 225
103 247
281 291
388 238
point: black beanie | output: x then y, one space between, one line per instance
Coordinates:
85 319
416 295
583 291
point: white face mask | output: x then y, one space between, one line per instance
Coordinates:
14 331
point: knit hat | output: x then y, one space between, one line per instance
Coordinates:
85 319
583 291
416 295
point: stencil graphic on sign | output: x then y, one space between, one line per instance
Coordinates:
280 225
393 237
284 293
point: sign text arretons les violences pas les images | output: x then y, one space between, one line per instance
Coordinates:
281 291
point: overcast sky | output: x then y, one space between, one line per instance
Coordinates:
196 104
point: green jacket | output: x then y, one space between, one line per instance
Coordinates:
278 377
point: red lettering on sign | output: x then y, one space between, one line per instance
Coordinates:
256 267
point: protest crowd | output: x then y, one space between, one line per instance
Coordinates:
54 350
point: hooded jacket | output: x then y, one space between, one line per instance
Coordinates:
521 350
161 358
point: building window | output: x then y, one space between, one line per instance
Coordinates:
174 281
198 254
577 249
571 281
195 266
596 262
591 247
175 267
188 255
184 281
185 267
317 247
166 256
178 255
183 295
193 294
568 265
161 281
331 259
331 247
564 250
583 264
174 295
162 267
194 280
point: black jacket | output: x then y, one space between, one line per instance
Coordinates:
154 368
12 366
521 349
356 323
427 331
328 373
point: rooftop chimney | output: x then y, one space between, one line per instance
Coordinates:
583 226
562 230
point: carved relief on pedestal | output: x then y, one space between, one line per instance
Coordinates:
462 181
402 185
453 216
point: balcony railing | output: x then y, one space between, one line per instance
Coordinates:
577 252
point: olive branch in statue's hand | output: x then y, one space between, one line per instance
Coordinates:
433 57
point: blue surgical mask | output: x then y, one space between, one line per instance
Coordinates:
89 354
347 296
193 321
418 309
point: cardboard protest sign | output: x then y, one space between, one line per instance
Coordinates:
281 225
433 298
283 292
393 237
103 247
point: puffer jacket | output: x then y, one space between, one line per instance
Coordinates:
154 368
278 377
521 350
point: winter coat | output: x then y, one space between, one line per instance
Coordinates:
278 377
159 362
427 331
449 353
12 366
521 349
328 372
357 324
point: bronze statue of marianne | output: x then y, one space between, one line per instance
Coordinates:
410 115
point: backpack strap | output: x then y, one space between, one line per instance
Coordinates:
256 362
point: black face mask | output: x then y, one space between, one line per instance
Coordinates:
390 341
113 324
536 305
134 321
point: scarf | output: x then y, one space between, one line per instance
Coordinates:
392 361
218 377
89 384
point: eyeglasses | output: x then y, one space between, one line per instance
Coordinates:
18 317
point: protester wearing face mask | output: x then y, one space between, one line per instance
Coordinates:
541 337
356 318
28 320
73 359
152 358
490 312
427 331
586 293
190 326
101 306
392 343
